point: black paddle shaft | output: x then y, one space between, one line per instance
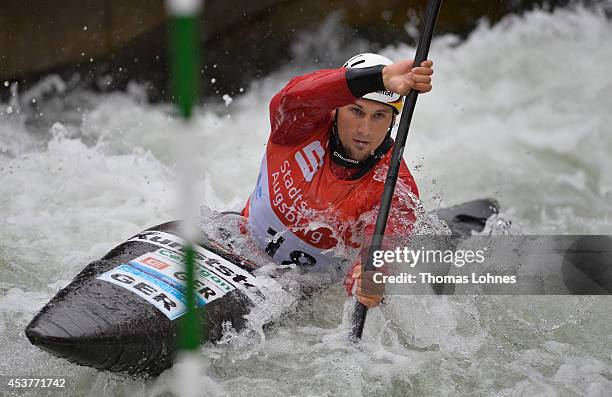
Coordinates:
431 14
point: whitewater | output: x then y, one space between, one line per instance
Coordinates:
520 111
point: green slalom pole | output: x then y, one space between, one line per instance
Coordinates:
185 67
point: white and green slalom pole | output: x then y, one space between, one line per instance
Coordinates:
185 67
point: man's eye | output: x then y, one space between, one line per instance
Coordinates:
379 116
356 111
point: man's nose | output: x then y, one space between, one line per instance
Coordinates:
364 125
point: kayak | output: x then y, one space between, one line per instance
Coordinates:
121 313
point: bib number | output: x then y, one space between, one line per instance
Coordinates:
298 258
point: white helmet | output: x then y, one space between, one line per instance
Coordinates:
366 60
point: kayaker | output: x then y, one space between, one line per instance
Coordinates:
325 163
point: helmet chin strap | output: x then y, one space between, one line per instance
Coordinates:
340 157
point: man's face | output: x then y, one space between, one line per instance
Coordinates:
362 127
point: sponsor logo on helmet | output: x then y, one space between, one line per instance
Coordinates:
386 93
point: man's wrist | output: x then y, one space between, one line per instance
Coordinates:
362 81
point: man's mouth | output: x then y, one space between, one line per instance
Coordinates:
360 143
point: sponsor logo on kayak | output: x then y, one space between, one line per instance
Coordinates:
202 270
207 282
169 301
203 257
165 288
173 256
156 263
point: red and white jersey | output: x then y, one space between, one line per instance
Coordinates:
300 211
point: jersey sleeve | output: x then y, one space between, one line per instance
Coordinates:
304 105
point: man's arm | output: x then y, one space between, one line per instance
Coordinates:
304 106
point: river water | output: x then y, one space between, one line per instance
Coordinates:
520 111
